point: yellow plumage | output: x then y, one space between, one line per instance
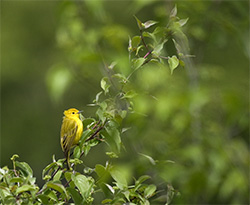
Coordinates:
71 131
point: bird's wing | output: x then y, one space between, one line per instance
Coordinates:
68 134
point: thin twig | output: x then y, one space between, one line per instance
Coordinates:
95 133
143 41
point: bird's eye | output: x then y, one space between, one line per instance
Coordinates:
73 113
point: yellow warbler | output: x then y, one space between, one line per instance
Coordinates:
71 131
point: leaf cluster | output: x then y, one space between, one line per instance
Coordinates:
113 104
150 46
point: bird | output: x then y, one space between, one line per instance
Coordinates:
71 131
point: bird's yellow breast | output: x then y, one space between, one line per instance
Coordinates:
79 131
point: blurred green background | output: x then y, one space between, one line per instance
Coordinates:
195 122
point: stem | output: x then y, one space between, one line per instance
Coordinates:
95 133
143 41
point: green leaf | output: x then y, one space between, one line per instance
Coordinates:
100 170
52 195
173 63
4 192
138 183
149 23
105 201
86 149
48 167
105 85
118 176
97 97
44 198
158 48
182 63
130 48
85 135
149 35
58 187
58 175
137 62
83 184
177 46
14 157
112 154
112 136
103 173
153 162
136 40
173 13
149 191
139 23
67 176
138 49
75 195
26 187
126 194
121 77
25 168
142 179
77 152
100 114
183 21
16 180
111 189
130 94
9 200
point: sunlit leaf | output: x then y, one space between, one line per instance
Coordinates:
118 176
26 187
25 167
83 184
101 171
149 191
58 187
14 157
107 201
48 167
52 195
183 21
77 152
173 63
135 41
16 180
112 136
149 35
153 162
173 13
137 62
110 188
142 179
158 48
58 175
112 154
149 23
105 85
130 94
120 76
139 23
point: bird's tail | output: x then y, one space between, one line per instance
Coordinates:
67 156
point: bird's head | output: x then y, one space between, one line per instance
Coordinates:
72 112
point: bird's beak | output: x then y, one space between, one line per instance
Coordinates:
80 111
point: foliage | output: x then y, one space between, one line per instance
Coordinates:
113 103
189 129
